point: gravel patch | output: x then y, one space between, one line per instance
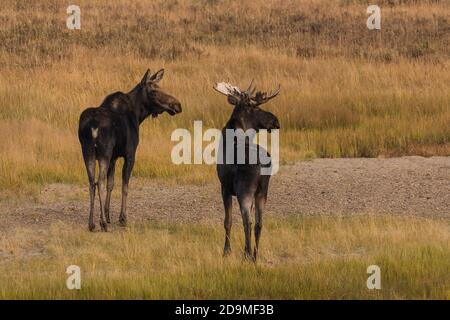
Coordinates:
414 186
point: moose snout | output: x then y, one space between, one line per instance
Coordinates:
275 124
176 107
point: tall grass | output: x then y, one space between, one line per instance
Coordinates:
300 258
346 91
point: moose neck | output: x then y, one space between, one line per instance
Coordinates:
236 122
138 108
232 124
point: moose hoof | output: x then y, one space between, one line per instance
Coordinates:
123 222
91 227
249 257
226 252
255 254
108 220
104 226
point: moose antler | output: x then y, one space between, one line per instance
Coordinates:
251 88
247 96
227 89
263 97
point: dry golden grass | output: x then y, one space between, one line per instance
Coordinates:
347 91
301 258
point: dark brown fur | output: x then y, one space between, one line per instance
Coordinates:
111 131
245 180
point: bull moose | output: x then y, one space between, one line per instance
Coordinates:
111 131
244 180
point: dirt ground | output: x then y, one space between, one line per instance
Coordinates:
408 185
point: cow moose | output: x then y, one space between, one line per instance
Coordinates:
245 180
111 131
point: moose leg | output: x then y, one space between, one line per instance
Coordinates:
228 204
89 161
103 169
126 173
109 188
245 204
92 199
260 201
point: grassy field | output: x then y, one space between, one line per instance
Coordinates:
347 91
301 258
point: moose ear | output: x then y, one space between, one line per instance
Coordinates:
146 77
232 100
157 76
